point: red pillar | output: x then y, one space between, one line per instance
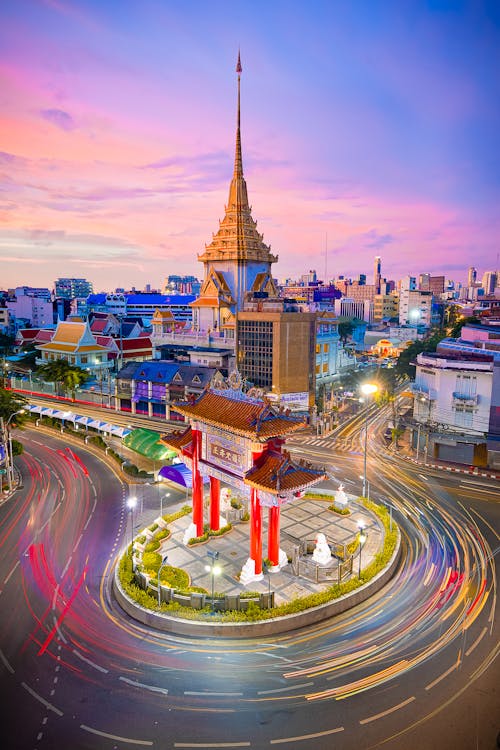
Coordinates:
255 530
197 485
273 534
214 503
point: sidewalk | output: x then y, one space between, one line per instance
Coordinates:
406 452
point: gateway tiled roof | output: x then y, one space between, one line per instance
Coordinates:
177 440
243 416
277 473
137 344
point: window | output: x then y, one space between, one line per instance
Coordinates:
326 347
318 348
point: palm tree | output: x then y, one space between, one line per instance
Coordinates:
60 372
11 403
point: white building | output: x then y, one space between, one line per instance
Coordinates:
453 396
415 307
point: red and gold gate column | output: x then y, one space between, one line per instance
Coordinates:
273 535
197 484
255 531
214 504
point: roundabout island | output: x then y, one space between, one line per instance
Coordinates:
314 539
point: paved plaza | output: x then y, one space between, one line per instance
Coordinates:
301 520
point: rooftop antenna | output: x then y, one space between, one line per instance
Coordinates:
326 257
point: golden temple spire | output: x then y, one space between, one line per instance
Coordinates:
238 161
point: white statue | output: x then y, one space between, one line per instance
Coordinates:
322 553
225 499
341 498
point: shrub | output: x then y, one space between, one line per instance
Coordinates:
153 527
141 539
131 469
151 561
340 511
236 503
98 441
17 448
152 546
163 534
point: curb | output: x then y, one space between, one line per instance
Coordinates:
455 470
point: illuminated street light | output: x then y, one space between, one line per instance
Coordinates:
362 537
7 433
131 503
367 389
162 498
163 563
214 570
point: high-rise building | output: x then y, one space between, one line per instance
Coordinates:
73 288
471 276
377 270
489 282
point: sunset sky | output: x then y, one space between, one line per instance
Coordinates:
368 128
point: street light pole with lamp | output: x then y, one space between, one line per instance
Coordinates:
163 563
367 389
7 433
214 570
131 503
363 536
162 498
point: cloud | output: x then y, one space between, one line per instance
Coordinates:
378 241
59 118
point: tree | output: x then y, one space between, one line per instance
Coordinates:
60 372
10 403
456 329
346 329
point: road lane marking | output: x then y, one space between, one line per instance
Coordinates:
307 736
6 663
212 744
195 692
445 674
477 489
11 573
284 689
114 736
479 638
42 700
153 688
389 711
91 663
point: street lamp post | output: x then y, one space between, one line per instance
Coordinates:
266 570
363 535
214 570
163 563
131 503
162 498
367 389
7 433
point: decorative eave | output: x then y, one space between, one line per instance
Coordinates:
247 417
277 474
178 439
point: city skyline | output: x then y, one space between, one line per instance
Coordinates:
365 131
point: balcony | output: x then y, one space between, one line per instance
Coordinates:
212 339
465 399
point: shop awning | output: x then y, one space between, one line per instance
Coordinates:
179 474
147 443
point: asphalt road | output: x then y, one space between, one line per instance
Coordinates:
414 667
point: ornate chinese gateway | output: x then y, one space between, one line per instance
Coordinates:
238 440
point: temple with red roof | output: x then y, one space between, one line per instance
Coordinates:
239 440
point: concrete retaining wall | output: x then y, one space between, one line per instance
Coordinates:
204 629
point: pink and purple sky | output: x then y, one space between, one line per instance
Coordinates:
368 128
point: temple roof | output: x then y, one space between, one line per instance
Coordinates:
276 473
248 417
